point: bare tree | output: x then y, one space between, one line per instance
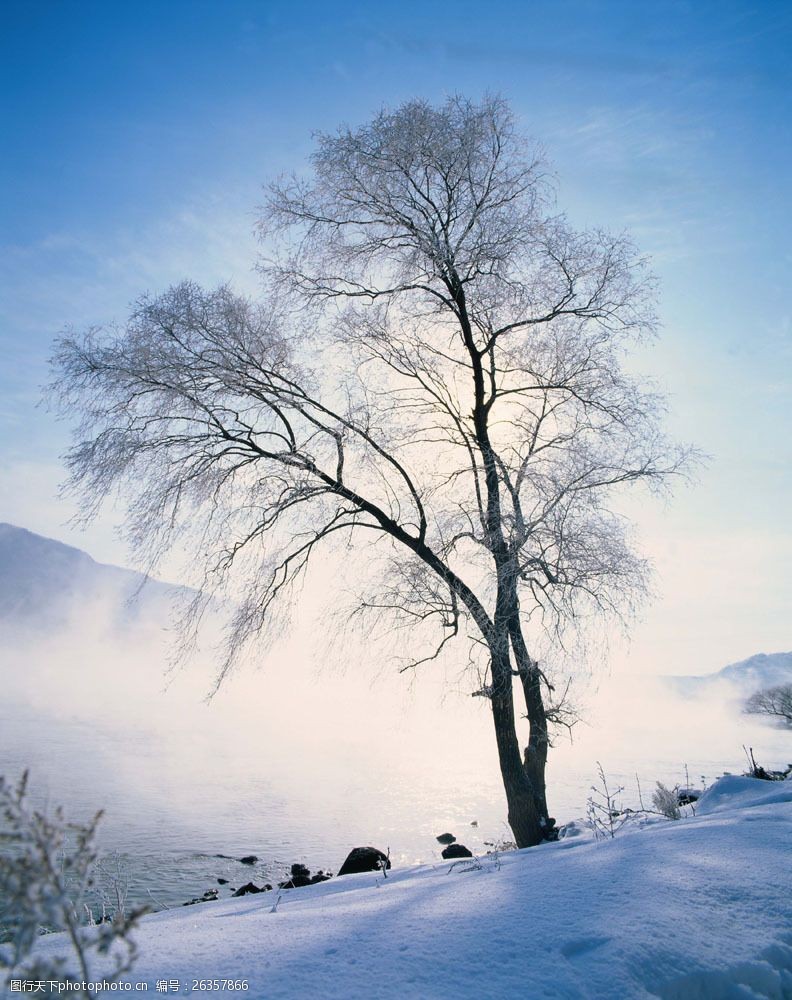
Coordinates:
774 701
434 375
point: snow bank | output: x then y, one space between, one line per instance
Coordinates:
737 792
699 908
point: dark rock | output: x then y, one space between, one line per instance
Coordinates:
301 876
295 882
222 881
247 889
207 897
456 851
364 859
549 829
446 838
249 859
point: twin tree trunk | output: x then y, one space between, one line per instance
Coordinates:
523 775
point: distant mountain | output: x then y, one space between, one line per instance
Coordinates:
761 671
43 583
758 672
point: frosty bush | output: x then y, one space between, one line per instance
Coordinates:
47 874
111 887
604 812
666 801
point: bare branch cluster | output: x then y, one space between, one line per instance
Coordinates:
265 430
774 701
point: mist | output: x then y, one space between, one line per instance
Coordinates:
302 751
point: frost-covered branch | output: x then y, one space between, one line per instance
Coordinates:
48 869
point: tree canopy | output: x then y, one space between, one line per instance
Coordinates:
434 374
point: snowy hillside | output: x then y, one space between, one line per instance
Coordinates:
761 671
44 582
698 908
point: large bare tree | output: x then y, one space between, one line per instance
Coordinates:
433 375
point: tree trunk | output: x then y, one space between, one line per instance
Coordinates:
535 756
524 817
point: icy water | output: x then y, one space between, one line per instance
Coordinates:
293 769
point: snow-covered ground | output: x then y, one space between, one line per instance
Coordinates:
698 908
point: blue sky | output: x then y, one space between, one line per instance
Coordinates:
137 136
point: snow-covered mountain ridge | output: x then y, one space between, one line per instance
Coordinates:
763 670
44 582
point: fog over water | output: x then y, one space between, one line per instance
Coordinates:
301 757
